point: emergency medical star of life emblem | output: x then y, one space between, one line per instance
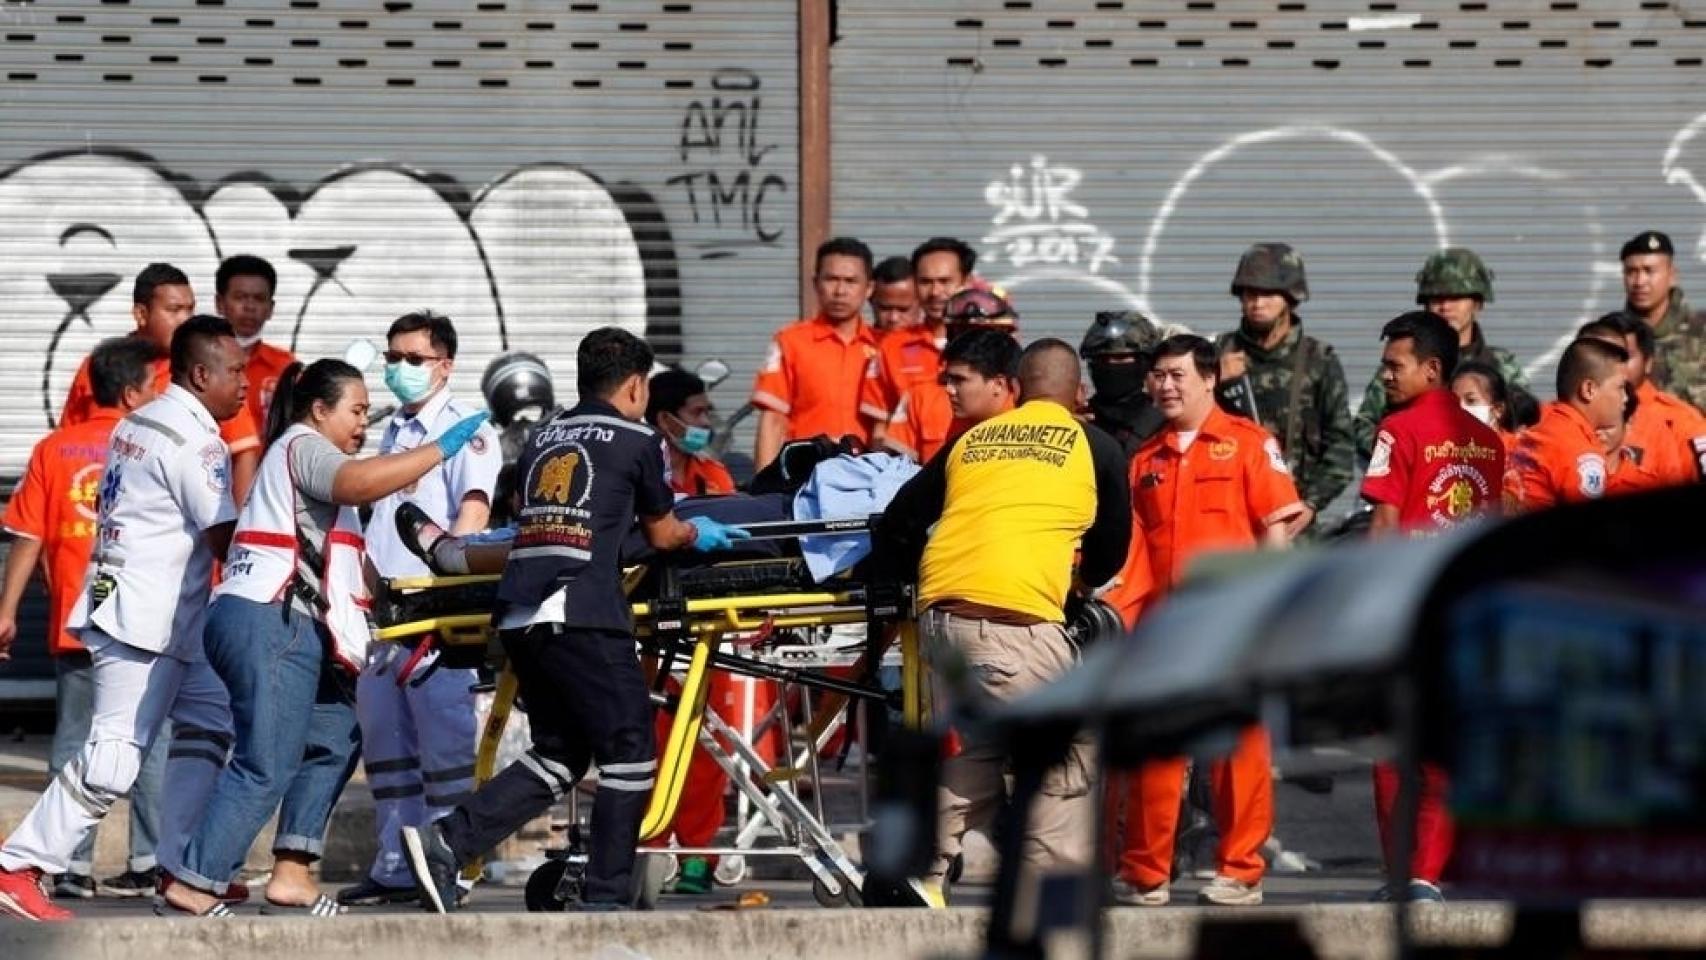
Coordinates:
216 467
1590 472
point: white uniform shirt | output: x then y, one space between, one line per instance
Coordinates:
441 491
168 479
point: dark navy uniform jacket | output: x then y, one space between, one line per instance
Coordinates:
584 476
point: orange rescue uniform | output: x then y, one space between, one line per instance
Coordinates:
1663 421
1218 493
906 357
815 379
701 476
266 364
240 433
1558 460
54 505
924 422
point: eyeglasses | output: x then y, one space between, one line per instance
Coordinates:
412 359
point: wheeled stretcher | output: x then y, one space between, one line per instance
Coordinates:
688 620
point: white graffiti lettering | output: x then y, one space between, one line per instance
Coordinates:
1037 223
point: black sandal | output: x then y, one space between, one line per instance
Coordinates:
219 911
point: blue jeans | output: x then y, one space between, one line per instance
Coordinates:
296 737
74 704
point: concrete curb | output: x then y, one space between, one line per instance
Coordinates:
1335 931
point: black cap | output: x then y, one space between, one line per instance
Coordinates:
1647 241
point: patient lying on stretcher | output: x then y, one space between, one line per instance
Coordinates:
810 480
485 553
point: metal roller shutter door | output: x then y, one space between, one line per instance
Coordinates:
532 169
1106 154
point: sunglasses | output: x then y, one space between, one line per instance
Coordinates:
412 359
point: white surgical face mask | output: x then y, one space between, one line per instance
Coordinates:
1481 411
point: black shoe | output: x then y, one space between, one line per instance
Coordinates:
411 521
73 886
131 883
371 893
434 867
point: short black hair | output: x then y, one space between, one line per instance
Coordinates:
953 245
1632 326
671 389
893 270
156 275
441 333
844 247
1431 338
1585 360
1190 345
606 358
192 343
244 265
992 353
1602 329
119 363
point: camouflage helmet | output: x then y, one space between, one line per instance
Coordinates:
1454 272
1271 266
1118 332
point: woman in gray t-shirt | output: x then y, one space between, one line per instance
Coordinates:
270 637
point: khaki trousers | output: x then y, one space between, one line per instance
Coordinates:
982 659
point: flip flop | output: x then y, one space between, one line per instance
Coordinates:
323 907
219 911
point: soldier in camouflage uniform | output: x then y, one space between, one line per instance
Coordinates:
1679 334
1118 349
1455 284
1292 382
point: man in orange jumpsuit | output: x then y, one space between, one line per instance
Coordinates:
812 379
1563 458
927 417
1435 466
243 295
1666 436
160 301
1208 481
912 355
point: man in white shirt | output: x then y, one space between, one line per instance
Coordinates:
417 716
165 514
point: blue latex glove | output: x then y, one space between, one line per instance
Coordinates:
714 535
451 441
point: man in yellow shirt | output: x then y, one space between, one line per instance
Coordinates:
1013 501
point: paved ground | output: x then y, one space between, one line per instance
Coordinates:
1345 888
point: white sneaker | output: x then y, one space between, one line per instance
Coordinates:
1224 891
1131 895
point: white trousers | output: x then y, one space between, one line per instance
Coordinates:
135 691
417 745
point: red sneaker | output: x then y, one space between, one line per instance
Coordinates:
23 894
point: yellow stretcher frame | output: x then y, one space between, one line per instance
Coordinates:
708 621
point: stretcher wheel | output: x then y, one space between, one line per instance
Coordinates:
731 870
543 886
823 896
651 873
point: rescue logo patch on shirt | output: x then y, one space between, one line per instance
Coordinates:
1380 462
1276 456
216 468
563 478
85 489
1223 450
773 359
477 444
1590 474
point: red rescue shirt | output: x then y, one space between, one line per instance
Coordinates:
1436 463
